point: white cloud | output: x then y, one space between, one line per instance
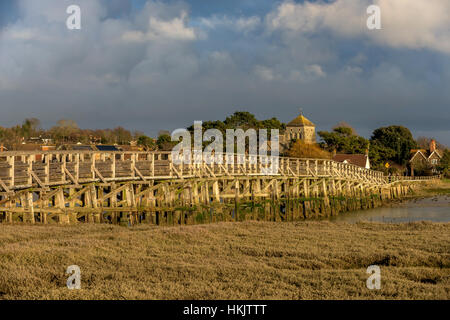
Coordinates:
174 29
417 24
241 24
316 70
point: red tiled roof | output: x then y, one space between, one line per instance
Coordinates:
356 159
28 147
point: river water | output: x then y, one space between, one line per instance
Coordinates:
436 209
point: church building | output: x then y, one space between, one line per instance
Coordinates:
300 129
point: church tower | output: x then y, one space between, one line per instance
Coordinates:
300 129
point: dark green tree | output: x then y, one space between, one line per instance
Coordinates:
343 140
241 119
392 143
444 164
165 142
272 123
30 127
146 142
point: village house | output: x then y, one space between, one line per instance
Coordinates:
33 147
38 140
425 160
360 160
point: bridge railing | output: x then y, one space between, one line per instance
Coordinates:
391 179
19 170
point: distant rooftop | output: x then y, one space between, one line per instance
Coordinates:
82 148
102 147
356 159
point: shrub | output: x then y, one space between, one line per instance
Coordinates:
300 149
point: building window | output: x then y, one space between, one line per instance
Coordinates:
434 161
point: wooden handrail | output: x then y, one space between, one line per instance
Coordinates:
51 168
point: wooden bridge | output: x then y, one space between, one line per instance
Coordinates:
133 187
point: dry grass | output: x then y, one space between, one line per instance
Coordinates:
429 189
249 260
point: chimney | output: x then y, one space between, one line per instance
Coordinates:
432 146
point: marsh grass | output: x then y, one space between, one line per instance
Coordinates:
428 189
248 260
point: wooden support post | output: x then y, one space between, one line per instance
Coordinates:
29 215
72 215
307 203
11 164
236 200
61 204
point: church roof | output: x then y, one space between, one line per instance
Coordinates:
300 121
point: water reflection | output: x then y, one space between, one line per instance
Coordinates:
436 209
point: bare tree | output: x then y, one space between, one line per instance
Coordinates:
65 129
343 124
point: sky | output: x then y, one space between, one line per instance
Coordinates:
152 65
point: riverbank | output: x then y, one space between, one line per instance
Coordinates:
435 191
246 260
430 189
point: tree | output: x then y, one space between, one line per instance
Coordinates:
211 125
379 155
424 143
343 140
444 164
122 135
241 119
393 142
9 137
343 124
165 142
272 123
30 126
64 130
146 142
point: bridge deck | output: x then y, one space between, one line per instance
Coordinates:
134 187
21 170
